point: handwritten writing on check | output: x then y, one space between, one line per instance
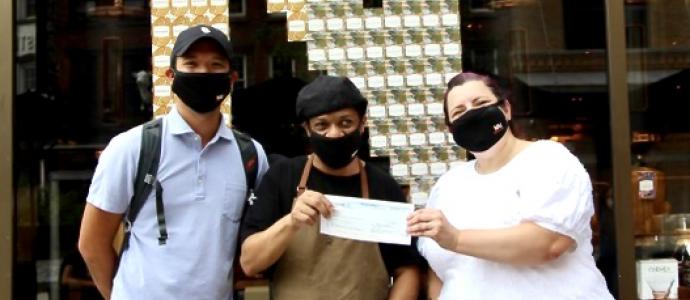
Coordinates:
368 220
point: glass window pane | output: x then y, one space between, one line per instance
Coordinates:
659 83
84 69
82 76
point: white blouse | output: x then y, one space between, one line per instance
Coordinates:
544 184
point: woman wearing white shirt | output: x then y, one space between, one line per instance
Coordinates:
514 223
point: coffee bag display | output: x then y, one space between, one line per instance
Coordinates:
657 279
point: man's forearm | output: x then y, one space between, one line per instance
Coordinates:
405 284
102 269
262 249
98 229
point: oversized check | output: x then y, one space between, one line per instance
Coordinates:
368 220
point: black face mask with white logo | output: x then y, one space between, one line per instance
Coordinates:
202 92
337 152
479 129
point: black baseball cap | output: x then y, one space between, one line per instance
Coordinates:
327 94
192 34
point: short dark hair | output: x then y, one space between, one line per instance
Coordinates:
492 82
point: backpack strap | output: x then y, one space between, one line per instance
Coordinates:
249 157
249 163
145 181
147 170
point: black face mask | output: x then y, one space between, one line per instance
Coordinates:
202 92
337 152
479 129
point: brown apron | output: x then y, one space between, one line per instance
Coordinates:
316 266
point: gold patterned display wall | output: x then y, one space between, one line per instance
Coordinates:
400 56
168 18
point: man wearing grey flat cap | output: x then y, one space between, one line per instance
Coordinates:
183 242
280 232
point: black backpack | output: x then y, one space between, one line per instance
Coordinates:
145 180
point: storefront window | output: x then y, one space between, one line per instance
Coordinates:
82 76
86 71
659 86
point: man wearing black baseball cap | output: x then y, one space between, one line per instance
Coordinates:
200 180
200 69
280 232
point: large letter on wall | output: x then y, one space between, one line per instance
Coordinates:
400 56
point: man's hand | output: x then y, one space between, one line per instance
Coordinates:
262 249
308 207
432 223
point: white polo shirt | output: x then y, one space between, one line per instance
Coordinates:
203 196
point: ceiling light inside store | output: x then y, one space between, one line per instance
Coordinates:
117 9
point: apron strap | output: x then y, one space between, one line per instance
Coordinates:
363 178
305 175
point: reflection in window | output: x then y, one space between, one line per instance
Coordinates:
373 3
26 78
483 60
111 105
237 8
658 45
636 26
518 50
26 9
282 66
481 5
239 65
80 83
584 35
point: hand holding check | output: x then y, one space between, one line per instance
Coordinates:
308 207
372 220
368 220
433 224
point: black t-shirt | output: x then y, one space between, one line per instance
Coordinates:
279 187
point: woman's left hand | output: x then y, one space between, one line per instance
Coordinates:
433 224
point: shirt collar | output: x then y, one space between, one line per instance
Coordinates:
178 126
224 131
